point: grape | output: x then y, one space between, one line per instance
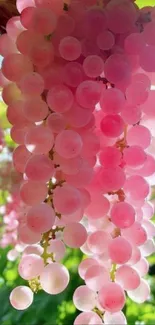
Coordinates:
68 144
21 297
57 248
73 74
11 93
69 166
142 266
136 234
117 69
70 48
111 179
131 114
148 248
32 84
56 122
112 297
134 43
14 27
30 266
93 66
88 94
54 278
112 126
35 109
39 139
18 131
87 317
60 98
39 168
112 318
127 277
20 158
110 157
33 193
122 215
7 46
140 294
120 250
105 40
33 249
15 66
40 218
98 241
74 235
15 114
98 207
66 199
84 265
112 101
96 276
78 116
84 298
28 236
136 187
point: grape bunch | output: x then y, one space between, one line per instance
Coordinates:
78 80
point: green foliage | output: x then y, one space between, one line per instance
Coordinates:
144 3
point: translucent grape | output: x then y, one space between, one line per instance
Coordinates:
39 168
54 278
60 98
112 101
140 294
39 139
93 66
20 157
30 266
74 235
122 215
127 277
88 94
84 265
68 144
112 297
32 84
15 66
113 318
120 250
40 218
87 317
67 199
70 48
33 193
84 298
21 297
57 248
98 242
35 109
96 276
112 126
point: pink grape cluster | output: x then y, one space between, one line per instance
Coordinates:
77 79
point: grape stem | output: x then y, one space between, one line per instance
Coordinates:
113 271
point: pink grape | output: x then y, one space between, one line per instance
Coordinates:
84 298
15 114
7 46
149 227
20 157
39 168
54 278
98 207
39 139
88 94
77 116
113 318
60 98
120 250
70 48
84 265
98 242
134 156
134 43
140 294
42 54
122 215
148 33
110 157
35 109
57 248
112 126
56 122
136 255
147 60
131 114
21 297
96 276
148 248
55 5
69 166
105 40
139 135
66 199
112 101
14 27
15 66
28 236
93 66
87 317
40 218
32 84
117 69
33 249
111 179
136 234
68 144
127 277
148 210
30 266
33 193
136 187
21 4
73 74
142 266
11 93
112 297
18 131
74 235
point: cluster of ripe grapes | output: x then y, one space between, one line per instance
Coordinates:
77 79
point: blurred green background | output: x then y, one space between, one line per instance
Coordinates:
59 310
